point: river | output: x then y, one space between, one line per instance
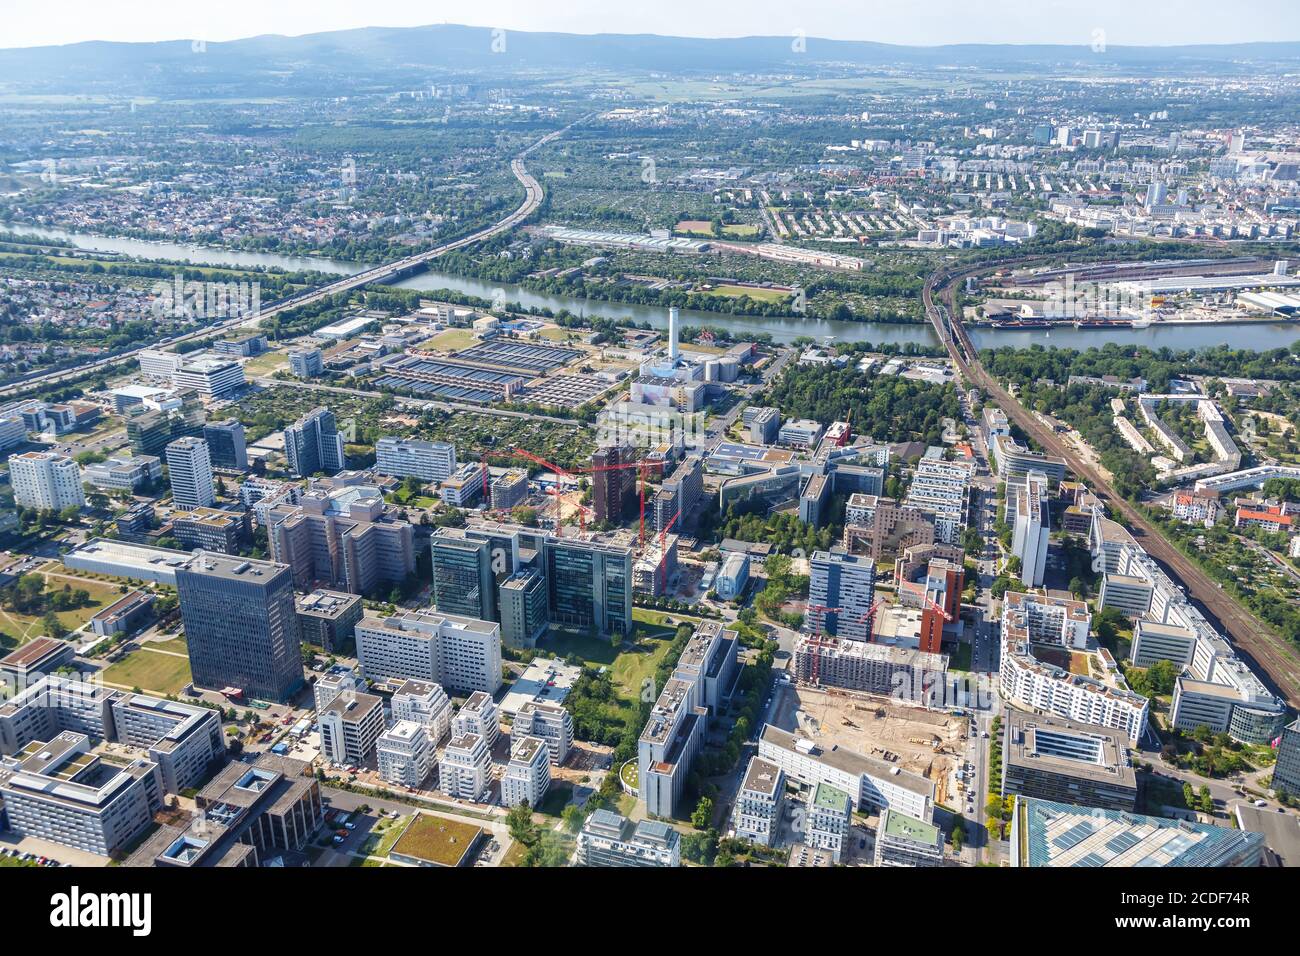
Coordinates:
1255 335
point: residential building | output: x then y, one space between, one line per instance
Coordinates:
426 704
941 489
404 754
1027 508
613 485
45 480
410 457
608 839
478 716
830 814
1013 460
465 771
189 467
240 625
841 591
549 722
508 489
870 667
313 444
349 727
906 841
527 775
758 804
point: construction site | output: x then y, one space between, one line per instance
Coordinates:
925 742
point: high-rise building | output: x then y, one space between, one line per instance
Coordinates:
226 444
1286 772
46 480
608 839
461 653
681 496
350 725
463 578
524 616
845 584
313 444
240 625
405 754
589 584
1031 524
410 457
528 775
941 489
613 489
190 469
758 804
465 771
305 363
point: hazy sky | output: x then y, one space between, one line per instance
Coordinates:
1154 22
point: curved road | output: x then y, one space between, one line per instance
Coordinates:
1250 635
533 195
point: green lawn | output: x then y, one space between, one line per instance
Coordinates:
758 295
27 626
451 340
150 671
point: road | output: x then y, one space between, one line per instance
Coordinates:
533 195
1253 640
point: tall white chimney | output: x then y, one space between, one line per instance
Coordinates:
673 321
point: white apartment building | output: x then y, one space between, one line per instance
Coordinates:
426 460
460 653
830 812
528 775
478 716
189 467
869 782
942 489
339 679
404 754
758 804
425 703
1031 524
465 771
46 480
549 722
349 727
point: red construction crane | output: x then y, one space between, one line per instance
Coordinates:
643 469
559 472
663 534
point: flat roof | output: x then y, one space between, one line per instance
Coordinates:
1068 747
848 761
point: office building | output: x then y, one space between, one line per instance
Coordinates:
20 668
45 480
404 754
758 804
1286 771
123 474
1031 524
341 535
211 529
465 770
608 839
906 841
183 740
589 584
349 726
508 489
190 469
247 815
305 363
210 377
550 723
338 680
528 774
1054 759
829 817
800 433
841 591
732 577
328 619
13 431
226 445
1044 833
464 579
410 457
460 653
240 625
523 606
1013 460
57 791
313 444
478 716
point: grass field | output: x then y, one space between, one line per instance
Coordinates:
758 295
450 340
24 627
266 364
629 667
556 334
437 839
150 671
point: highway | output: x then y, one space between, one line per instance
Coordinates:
1252 638
533 195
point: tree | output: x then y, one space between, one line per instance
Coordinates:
703 814
1206 800
53 626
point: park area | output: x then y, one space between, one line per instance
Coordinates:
158 668
26 619
757 293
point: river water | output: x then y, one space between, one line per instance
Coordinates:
1255 335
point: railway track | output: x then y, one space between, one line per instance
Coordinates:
1252 638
